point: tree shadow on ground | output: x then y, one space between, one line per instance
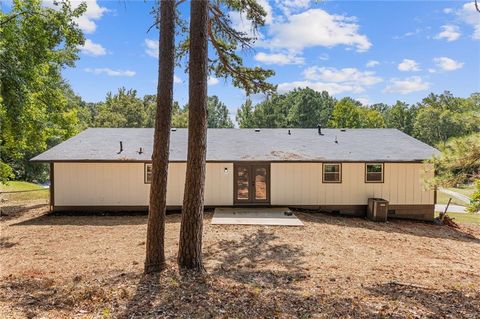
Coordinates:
411 299
15 210
34 293
401 226
257 258
83 220
248 278
94 219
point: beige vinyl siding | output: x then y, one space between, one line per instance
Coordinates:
301 184
122 184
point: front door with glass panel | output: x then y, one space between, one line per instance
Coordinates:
252 183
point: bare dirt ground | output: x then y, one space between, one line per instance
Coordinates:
91 267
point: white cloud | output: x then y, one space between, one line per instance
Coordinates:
316 27
151 48
335 81
110 72
332 88
177 79
407 85
93 49
347 75
447 64
290 6
212 80
242 24
364 100
469 15
324 56
372 63
86 22
279 58
447 10
432 70
408 34
449 32
408 65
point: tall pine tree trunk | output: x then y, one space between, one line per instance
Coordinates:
190 246
155 256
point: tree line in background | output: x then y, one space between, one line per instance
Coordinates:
434 120
126 109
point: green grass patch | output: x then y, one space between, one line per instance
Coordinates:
465 218
39 193
465 190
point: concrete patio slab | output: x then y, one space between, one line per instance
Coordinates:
255 216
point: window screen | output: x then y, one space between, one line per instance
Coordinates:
332 173
374 173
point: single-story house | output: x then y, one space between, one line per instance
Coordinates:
330 169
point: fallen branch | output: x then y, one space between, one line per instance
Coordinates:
404 284
448 221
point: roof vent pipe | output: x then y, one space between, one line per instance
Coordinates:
140 151
319 129
289 133
336 140
121 147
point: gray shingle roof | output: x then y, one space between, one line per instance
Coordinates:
102 144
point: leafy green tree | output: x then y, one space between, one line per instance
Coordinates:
380 107
36 43
218 115
370 118
443 116
400 116
309 108
180 116
474 206
150 107
244 115
273 112
298 108
123 109
346 114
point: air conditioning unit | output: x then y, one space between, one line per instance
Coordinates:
377 209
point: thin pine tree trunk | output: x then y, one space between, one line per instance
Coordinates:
190 246
155 255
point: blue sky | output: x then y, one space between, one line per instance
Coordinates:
375 51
